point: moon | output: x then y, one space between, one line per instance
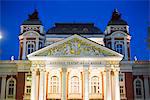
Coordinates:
1 35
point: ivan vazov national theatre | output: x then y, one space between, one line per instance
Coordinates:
74 61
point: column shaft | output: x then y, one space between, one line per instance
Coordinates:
37 44
33 87
45 85
107 85
64 89
117 85
86 83
42 85
3 87
125 49
24 49
113 44
108 78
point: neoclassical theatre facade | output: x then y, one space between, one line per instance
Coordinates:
74 61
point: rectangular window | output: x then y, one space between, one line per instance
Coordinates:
29 78
121 90
121 77
28 89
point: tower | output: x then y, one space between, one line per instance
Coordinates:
117 35
31 35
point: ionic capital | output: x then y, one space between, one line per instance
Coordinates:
146 76
64 70
3 76
33 69
116 71
42 69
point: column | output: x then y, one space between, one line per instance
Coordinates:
104 84
117 85
86 82
146 88
42 88
107 85
64 89
3 85
113 44
125 49
24 49
45 85
37 43
33 86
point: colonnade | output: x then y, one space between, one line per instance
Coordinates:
110 79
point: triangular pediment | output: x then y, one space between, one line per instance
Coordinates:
75 46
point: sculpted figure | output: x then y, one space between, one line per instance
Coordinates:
67 49
75 47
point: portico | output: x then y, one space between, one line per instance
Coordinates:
73 73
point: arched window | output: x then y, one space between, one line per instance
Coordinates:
30 48
95 85
11 88
54 84
74 84
138 88
119 48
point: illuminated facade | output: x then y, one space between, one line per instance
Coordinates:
74 61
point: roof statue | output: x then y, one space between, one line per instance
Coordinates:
135 58
116 15
34 15
33 19
12 58
116 19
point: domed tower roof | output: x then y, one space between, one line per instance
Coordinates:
116 19
33 19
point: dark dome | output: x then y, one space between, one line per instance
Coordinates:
117 22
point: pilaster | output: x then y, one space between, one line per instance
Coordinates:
146 88
3 85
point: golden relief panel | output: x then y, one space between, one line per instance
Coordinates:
75 47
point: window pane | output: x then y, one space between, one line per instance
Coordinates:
74 84
54 84
95 84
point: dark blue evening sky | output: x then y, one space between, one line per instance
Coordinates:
14 12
